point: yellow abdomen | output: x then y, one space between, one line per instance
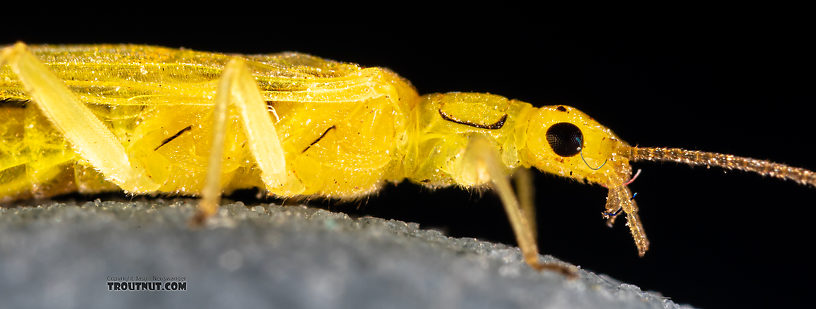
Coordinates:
343 128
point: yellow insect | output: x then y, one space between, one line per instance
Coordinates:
146 119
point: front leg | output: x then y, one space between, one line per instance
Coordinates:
481 158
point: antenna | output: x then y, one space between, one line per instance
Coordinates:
726 161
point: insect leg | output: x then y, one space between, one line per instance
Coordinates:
87 134
237 86
483 155
523 178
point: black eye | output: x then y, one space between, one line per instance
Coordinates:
565 139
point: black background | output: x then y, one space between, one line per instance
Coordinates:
733 82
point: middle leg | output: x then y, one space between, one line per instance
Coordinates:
237 86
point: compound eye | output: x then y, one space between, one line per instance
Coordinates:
565 139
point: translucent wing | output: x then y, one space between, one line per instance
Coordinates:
148 75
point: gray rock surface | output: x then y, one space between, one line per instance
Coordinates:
63 254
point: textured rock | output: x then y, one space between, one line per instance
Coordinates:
63 254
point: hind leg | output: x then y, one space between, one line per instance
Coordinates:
88 136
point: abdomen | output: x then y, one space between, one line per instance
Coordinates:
342 126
